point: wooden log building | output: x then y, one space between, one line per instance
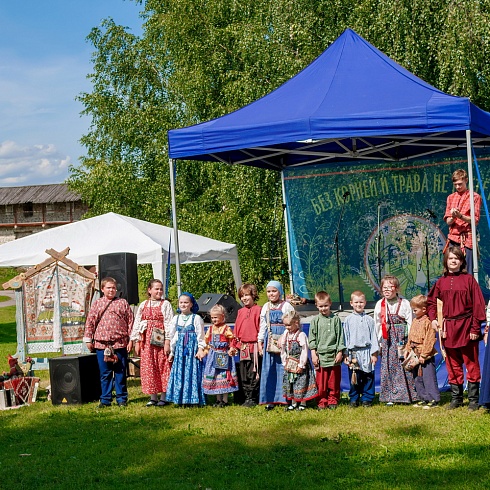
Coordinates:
33 208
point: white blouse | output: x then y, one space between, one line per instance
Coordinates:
263 316
184 321
140 325
405 312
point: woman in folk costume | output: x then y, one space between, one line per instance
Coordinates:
186 345
463 310
271 328
393 317
152 343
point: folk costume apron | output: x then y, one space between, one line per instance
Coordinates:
220 371
298 387
272 374
397 385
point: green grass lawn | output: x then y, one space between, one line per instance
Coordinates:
7 273
8 335
46 446
80 446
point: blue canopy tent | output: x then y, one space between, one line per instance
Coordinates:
351 103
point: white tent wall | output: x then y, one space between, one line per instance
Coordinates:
112 233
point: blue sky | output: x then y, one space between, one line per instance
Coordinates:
44 62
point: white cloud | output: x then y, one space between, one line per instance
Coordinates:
28 165
44 62
40 120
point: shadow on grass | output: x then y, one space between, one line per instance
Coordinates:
8 333
176 448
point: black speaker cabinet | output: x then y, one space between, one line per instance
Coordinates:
123 267
208 300
74 379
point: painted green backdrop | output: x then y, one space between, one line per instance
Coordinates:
408 201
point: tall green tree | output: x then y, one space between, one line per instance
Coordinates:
125 166
197 60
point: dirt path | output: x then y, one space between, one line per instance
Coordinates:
11 294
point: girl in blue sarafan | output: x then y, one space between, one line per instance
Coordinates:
187 351
271 329
220 376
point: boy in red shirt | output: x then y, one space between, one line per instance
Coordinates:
246 329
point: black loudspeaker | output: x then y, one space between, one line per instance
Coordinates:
208 300
123 267
74 379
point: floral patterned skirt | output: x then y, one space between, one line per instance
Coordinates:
397 385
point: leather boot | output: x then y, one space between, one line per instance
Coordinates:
456 397
473 396
248 399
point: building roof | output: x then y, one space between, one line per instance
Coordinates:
37 194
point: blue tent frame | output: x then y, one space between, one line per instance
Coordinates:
352 103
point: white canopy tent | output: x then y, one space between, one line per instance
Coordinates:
111 233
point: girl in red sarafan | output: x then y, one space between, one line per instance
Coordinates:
463 311
152 343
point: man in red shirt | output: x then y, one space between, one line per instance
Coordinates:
458 216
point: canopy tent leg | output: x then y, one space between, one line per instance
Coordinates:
237 276
175 227
472 203
286 228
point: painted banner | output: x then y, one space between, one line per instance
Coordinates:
56 301
39 292
392 223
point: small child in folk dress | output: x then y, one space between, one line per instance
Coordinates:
299 376
271 327
422 341
361 352
326 339
219 371
247 326
151 339
186 335
393 317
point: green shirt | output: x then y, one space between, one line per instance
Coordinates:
327 338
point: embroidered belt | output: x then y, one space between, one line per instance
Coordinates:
459 317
